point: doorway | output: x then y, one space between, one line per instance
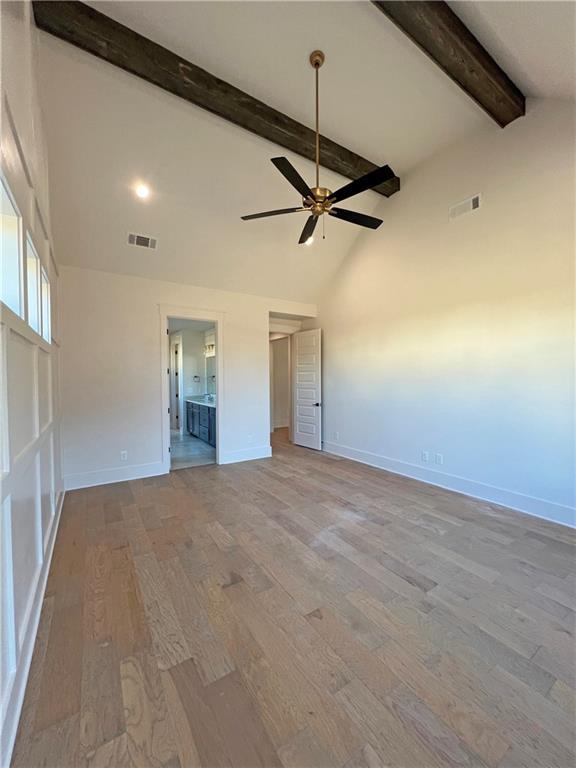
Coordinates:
295 383
280 407
191 390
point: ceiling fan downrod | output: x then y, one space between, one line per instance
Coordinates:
316 60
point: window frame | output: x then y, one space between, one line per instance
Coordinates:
30 245
22 290
28 242
45 311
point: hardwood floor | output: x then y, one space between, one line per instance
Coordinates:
301 611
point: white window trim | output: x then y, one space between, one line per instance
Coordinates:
22 271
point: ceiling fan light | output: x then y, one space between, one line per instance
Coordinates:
309 241
142 191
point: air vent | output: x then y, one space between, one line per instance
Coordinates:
142 241
466 206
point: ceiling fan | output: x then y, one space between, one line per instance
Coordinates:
318 200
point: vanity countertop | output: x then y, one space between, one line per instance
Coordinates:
199 400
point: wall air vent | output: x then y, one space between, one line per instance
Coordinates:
142 241
465 206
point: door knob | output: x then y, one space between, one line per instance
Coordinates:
317 405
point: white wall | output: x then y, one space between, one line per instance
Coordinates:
200 159
112 375
194 362
280 349
30 475
458 337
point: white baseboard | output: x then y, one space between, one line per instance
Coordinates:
114 475
281 424
135 472
13 707
246 454
530 505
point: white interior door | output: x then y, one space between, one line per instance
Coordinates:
307 388
175 373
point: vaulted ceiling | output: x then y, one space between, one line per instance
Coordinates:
380 97
535 42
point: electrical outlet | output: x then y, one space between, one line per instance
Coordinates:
439 458
425 456
336 436
123 455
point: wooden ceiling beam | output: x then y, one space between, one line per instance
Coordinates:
438 31
100 35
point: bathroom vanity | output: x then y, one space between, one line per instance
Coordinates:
201 419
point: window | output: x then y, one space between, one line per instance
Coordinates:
10 253
33 286
45 302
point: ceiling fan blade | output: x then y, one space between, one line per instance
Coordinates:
308 230
368 181
270 213
355 218
291 174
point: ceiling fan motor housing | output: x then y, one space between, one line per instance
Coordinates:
321 202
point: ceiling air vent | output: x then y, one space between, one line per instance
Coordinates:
465 206
142 241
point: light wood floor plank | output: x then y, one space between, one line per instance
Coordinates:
301 611
151 738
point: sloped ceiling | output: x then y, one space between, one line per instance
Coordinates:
534 42
380 96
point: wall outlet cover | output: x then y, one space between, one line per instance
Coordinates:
425 456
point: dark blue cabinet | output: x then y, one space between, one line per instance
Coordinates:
193 418
212 427
201 422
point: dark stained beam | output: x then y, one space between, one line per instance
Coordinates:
100 35
438 31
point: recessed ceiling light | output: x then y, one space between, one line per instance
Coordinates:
309 241
142 191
